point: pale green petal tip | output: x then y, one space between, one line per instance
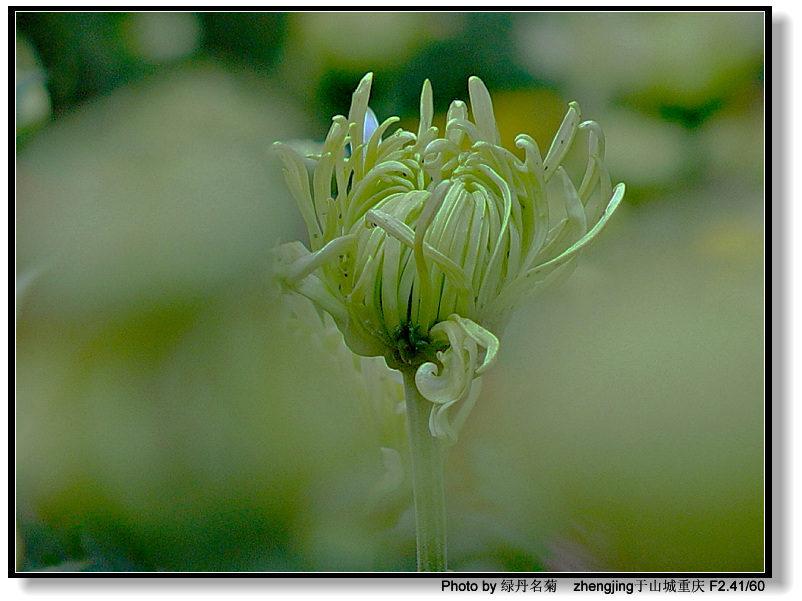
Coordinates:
618 196
364 85
359 108
426 108
482 109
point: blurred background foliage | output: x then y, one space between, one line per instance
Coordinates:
174 413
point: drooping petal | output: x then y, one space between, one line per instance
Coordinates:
307 264
471 350
483 338
316 290
449 383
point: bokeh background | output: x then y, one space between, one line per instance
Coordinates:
174 413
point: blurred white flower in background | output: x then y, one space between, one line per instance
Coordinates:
32 98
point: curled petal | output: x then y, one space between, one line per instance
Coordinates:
471 351
456 112
447 429
618 196
484 338
449 382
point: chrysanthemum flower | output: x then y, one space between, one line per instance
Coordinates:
421 245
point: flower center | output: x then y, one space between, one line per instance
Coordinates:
412 347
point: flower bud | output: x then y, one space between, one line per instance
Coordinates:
421 245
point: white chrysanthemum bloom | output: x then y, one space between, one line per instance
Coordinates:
421 245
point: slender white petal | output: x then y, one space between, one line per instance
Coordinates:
359 108
482 109
562 141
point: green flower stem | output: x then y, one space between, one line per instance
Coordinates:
427 480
